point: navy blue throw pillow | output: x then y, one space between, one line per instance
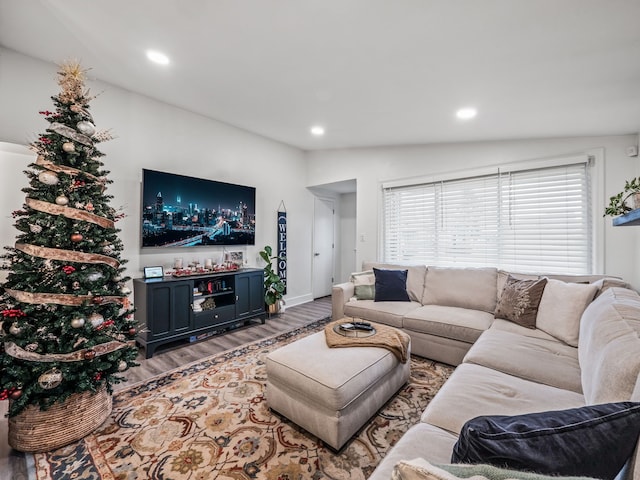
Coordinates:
391 285
592 441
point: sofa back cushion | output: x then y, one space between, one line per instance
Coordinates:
415 276
561 308
473 288
609 347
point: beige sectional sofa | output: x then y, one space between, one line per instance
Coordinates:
504 368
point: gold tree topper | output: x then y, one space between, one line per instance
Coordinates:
71 78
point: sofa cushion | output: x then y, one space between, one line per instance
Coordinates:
588 441
519 301
364 285
561 308
420 469
507 326
449 322
421 440
388 313
391 285
474 390
544 361
606 283
608 346
415 276
473 288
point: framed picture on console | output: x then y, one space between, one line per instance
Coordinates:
236 258
153 272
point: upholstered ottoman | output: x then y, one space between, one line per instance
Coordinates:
331 392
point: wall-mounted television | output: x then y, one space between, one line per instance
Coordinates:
181 211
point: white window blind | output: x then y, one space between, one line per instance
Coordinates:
535 220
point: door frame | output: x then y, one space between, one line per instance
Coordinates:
334 201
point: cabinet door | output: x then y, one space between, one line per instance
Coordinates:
242 296
181 306
256 293
159 310
169 308
249 294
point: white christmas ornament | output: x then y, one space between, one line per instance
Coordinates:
107 249
96 319
62 200
77 322
94 276
35 228
68 147
125 290
122 366
85 127
50 379
15 329
48 178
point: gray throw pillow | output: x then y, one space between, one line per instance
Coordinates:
519 301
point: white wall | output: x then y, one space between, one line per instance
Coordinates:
151 134
372 166
347 237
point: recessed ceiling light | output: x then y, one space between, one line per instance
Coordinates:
157 57
466 113
318 131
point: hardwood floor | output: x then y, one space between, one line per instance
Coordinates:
13 465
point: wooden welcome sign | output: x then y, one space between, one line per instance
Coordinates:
282 244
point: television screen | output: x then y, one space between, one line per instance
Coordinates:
181 211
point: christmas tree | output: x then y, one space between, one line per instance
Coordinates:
66 321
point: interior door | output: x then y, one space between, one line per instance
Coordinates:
323 246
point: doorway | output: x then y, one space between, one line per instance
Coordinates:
323 246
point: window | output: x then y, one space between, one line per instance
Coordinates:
536 220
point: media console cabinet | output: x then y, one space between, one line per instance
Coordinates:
166 310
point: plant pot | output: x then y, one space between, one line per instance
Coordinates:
35 430
635 200
274 308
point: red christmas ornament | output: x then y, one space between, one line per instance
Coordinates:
68 269
97 300
4 394
106 324
13 313
132 331
76 237
15 394
89 354
97 377
45 112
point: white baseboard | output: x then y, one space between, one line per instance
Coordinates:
292 301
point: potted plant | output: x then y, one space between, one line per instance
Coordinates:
618 203
273 285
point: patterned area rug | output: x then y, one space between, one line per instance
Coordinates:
210 420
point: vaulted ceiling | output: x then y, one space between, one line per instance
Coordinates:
371 72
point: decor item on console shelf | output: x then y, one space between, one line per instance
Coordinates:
274 287
581 357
